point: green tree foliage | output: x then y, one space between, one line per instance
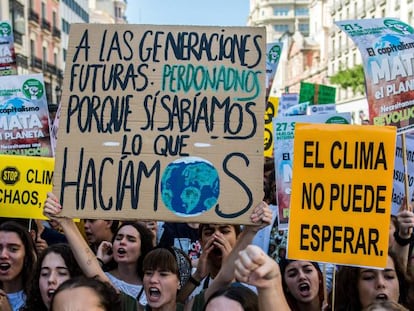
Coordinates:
353 78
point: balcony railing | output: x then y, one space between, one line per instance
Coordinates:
56 32
46 25
36 62
18 37
33 16
52 69
22 61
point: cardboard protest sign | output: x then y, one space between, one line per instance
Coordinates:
24 116
341 194
284 129
24 184
386 46
162 122
8 64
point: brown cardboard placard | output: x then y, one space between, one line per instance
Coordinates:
162 122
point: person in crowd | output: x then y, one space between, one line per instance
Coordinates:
217 241
302 284
261 216
55 265
235 298
166 271
184 236
385 305
99 230
130 244
33 229
46 232
402 239
84 294
393 227
152 226
255 267
17 264
357 288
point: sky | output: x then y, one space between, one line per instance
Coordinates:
188 12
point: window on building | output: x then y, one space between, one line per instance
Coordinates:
32 48
281 28
55 59
304 28
54 19
281 11
397 4
65 26
17 17
44 55
43 10
48 87
301 12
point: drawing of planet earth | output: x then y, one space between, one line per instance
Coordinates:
190 186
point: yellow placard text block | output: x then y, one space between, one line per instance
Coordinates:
24 183
271 112
341 193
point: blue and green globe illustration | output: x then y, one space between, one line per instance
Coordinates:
190 186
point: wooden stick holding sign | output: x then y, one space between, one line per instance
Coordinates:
404 157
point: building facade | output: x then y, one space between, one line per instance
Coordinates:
322 51
41 33
108 11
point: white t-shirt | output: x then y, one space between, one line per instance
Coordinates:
132 290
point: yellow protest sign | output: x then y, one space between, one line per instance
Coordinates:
341 193
24 183
162 122
271 112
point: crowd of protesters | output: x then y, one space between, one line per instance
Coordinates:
133 265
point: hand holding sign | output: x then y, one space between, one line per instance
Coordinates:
405 219
52 208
